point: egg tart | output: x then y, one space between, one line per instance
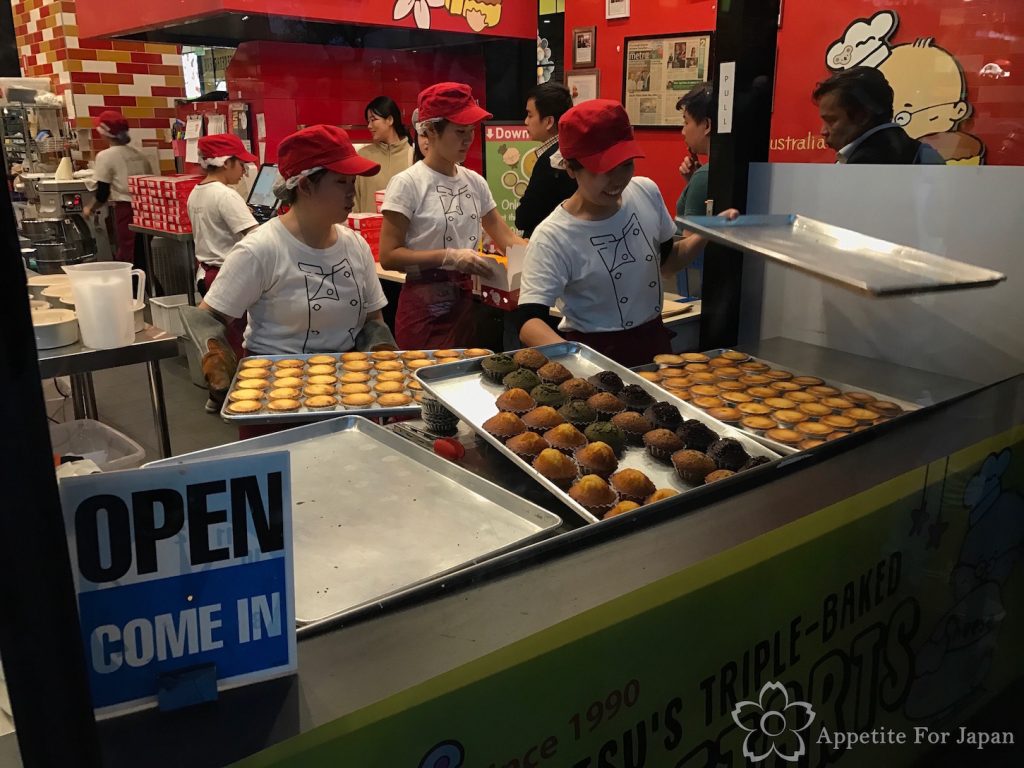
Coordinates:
380 355
354 378
254 373
245 406
255 362
322 370
245 394
784 436
394 400
808 381
256 384
322 360
350 357
726 413
322 379
354 389
285 405
284 393
289 382
359 400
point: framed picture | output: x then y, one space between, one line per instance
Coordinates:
583 86
584 47
658 70
616 9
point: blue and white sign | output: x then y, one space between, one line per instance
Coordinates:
182 568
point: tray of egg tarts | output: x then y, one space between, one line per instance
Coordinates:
273 389
786 410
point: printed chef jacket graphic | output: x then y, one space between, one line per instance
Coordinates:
334 301
634 271
462 217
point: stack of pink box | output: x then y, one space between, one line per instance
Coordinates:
368 225
161 202
379 199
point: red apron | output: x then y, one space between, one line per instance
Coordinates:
632 347
125 237
435 311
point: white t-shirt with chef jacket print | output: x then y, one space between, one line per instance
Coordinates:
603 275
443 211
300 300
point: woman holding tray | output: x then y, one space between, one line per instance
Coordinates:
307 283
435 216
601 254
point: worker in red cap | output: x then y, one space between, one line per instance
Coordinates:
307 284
220 218
112 168
435 217
602 253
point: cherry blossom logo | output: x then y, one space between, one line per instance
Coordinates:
773 724
420 10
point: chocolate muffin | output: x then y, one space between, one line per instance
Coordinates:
692 466
696 435
554 373
727 453
556 467
607 381
594 494
664 416
517 401
633 425
662 443
632 485
755 461
529 358
548 394
497 367
578 413
606 405
528 445
577 389
636 398
606 432
596 459
542 418
523 378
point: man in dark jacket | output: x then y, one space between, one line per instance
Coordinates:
856 116
549 184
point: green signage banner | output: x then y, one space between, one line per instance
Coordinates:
509 159
867 631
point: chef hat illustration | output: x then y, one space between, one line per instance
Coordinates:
985 487
865 43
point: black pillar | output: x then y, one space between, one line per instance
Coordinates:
746 34
39 631
511 73
9 66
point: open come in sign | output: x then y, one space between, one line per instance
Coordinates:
509 160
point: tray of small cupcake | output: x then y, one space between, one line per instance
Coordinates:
786 410
598 436
271 389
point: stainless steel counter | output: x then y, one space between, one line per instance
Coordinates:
79 361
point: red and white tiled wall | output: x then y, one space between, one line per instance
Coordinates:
141 80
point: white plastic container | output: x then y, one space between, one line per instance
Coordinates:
104 302
165 313
104 445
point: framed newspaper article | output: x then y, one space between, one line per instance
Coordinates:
659 70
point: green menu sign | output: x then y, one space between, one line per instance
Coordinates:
509 159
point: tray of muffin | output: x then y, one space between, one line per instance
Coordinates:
599 437
786 410
276 389
359 541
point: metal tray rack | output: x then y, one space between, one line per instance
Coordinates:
359 540
305 415
462 389
861 263
781 447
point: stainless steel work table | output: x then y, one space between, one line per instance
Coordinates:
188 263
79 361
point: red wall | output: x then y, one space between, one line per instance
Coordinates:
974 33
293 84
665 147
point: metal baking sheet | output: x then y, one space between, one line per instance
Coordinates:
306 415
782 448
358 539
464 391
856 261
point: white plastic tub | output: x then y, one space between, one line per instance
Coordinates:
165 312
90 439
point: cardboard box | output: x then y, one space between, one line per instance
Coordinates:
500 289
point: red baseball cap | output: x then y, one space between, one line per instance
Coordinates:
113 121
598 135
453 102
322 146
225 145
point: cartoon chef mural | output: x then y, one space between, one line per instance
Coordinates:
929 89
